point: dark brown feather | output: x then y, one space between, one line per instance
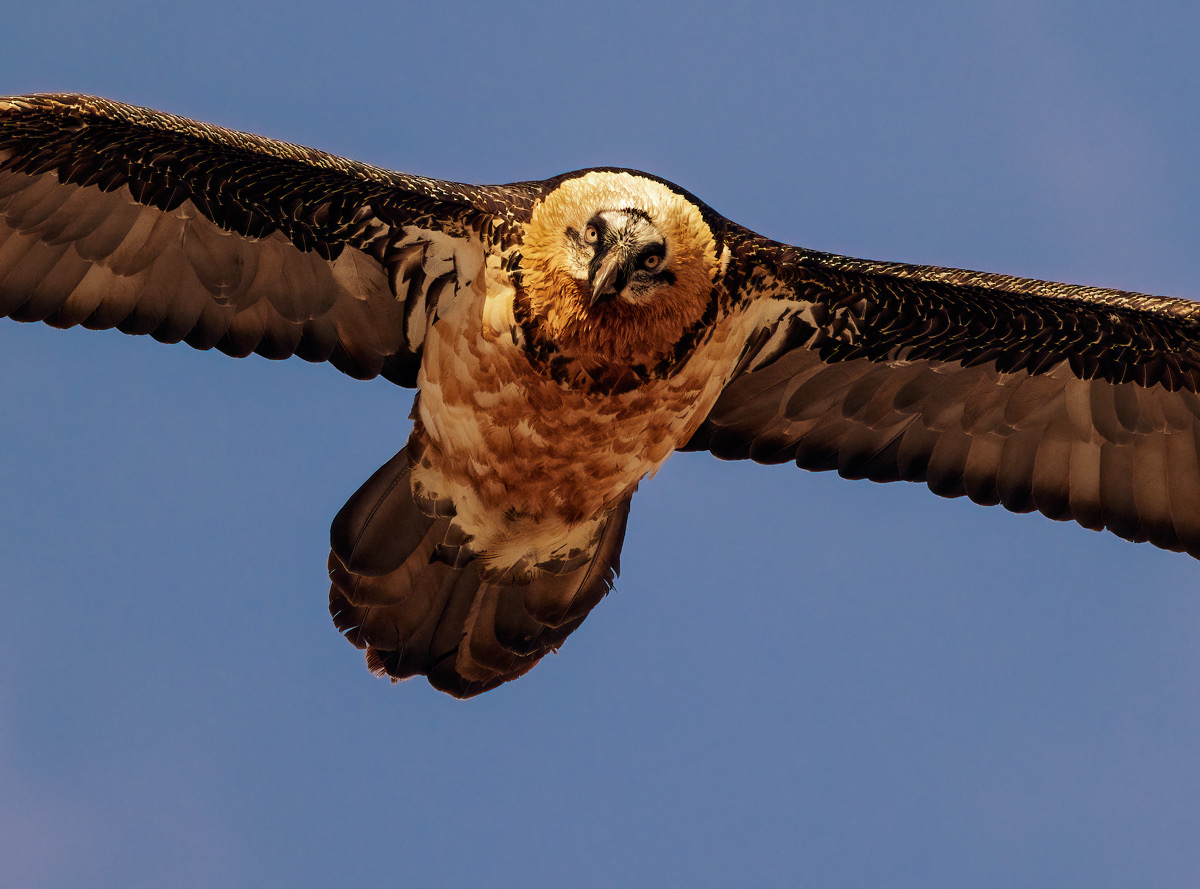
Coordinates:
415 614
1075 401
116 216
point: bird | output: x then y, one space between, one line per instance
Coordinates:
565 337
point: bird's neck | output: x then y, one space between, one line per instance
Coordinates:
613 332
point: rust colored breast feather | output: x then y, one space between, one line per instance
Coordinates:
533 464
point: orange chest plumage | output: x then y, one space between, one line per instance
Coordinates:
501 424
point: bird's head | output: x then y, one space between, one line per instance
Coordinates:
617 264
621 255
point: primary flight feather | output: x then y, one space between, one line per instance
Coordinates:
566 337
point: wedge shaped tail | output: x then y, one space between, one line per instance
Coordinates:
406 589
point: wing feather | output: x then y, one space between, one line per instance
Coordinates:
116 216
1077 402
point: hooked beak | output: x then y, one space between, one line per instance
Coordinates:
606 276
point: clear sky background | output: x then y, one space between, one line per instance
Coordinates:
799 681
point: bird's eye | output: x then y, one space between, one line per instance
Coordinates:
591 234
652 262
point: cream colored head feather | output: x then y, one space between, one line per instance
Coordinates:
559 300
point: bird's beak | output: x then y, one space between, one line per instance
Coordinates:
606 275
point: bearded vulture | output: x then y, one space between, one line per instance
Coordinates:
565 338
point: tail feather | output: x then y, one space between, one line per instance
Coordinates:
400 610
557 600
481 656
393 594
381 525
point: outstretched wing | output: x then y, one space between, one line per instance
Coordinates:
116 216
1077 402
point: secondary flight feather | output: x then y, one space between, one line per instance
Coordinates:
565 338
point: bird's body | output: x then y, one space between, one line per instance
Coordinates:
535 424
566 337
486 416
581 428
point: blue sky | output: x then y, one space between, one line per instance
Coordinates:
799 681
